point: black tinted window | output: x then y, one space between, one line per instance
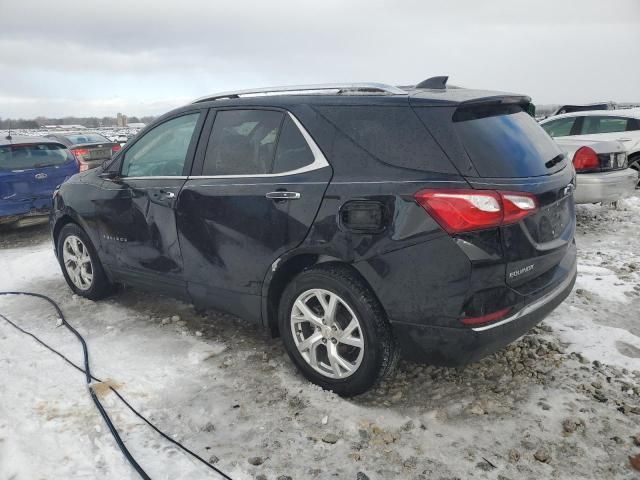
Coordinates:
393 135
293 152
506 142
559 128
242 142
22 157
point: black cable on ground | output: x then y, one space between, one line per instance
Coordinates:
89 377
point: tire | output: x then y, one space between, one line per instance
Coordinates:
84 261
634 162
323 358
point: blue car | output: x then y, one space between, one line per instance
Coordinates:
30 170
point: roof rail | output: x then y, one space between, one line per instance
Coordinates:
436 83
325 88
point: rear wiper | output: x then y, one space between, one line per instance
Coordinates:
554 161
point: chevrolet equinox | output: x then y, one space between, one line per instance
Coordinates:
357 221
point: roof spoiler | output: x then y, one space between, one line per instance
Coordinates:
497 100
435 83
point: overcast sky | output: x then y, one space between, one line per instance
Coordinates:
143 57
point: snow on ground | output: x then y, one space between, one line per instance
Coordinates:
563 402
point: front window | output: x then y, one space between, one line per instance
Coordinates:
163 150
559 128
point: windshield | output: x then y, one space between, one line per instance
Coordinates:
23 157
504 141
77 138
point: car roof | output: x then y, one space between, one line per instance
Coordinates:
25 139
624 112
355 94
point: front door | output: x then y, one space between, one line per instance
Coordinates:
137 213
255 197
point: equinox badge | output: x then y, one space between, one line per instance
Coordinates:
520 271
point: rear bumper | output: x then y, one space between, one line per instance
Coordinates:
439 345
605 186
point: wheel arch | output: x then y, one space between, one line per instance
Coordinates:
66 218
284 270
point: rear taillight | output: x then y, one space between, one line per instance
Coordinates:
79 152
584 159
115 149
464 210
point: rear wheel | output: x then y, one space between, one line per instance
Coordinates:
80 264
335 330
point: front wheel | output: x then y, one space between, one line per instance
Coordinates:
335 330
80 264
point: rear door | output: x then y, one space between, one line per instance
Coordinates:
609 127
256 187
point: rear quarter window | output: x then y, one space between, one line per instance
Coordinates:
392 135
24 157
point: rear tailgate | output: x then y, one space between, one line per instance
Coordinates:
496 145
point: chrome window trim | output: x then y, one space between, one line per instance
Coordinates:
166 177
319 160
533 306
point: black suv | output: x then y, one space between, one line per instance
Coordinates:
356 221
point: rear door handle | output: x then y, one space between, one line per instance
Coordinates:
283 195
166 194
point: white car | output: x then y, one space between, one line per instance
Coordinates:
598 125
602 174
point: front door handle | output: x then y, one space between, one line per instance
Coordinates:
283 195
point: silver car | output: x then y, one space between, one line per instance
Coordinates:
602 171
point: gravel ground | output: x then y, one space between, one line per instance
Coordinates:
563 402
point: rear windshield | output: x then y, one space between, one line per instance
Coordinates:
23 157
504 141
76 139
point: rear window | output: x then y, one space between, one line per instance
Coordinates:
79 138
505 142
393 135
23 157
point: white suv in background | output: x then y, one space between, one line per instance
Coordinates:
599 125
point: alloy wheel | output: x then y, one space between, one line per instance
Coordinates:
77 262
327 333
